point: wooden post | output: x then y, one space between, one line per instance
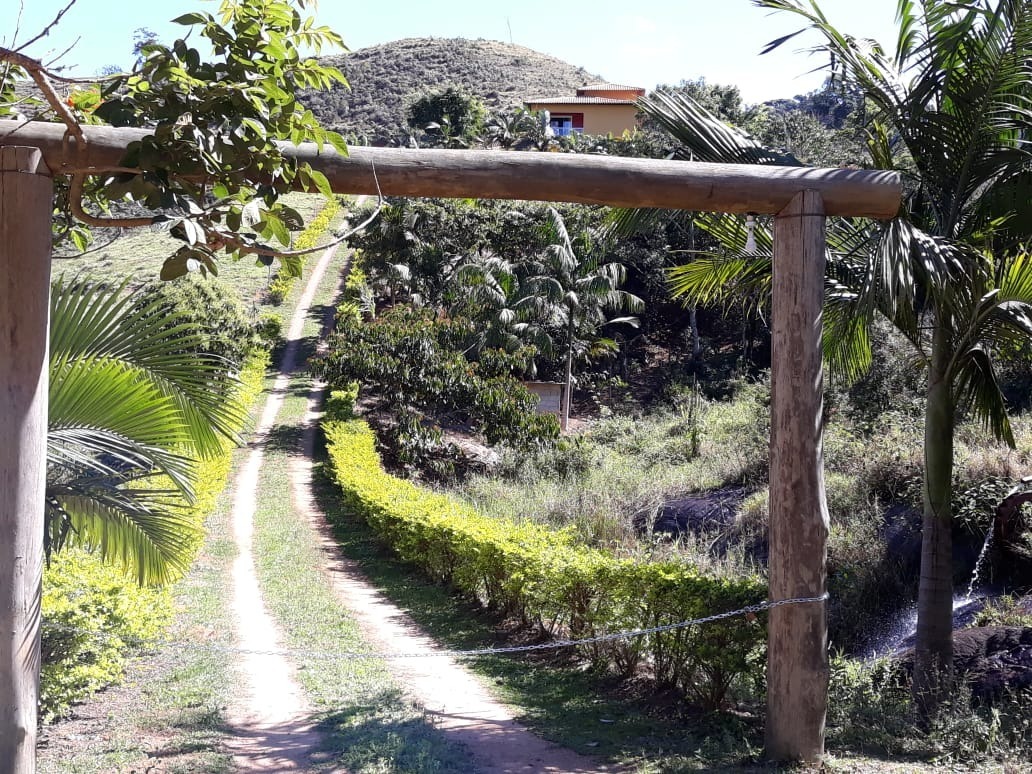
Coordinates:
797 658
26 206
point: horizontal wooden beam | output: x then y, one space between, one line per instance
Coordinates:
494 174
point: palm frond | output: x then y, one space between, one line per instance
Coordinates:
703 136
91 320
718 279
139 529
732 233
103 415
625 222
845 337
1001 315
978 392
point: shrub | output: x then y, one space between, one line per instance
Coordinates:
95 616
454 113
279 287
415 363
270 328
869 710
541 575
221 320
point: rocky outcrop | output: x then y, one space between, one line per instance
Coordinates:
990 659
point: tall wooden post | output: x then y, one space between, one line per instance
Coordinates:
797 659
26 194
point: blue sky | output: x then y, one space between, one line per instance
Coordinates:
642 44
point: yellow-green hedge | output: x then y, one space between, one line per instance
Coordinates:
95 615
529 570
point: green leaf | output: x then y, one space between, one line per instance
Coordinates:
278 229
291 265
322 183
174 267
337 141
192 18
81 238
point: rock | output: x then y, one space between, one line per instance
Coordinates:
705 511
994 659
991 659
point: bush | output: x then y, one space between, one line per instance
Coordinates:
95 616
270 329
869 710
415 364
456 114
221 320
540 575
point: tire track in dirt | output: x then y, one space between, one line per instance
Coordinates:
272 728
452 697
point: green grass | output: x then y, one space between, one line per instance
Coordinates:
558 697
369 725
139 253
173 702
180 696
564 700
595 483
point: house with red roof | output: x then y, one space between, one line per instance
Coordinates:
598 108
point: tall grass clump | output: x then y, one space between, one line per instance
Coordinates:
606 483
869 711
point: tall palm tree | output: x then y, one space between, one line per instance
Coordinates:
131 413
953 109
571 290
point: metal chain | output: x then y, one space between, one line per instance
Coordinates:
358 655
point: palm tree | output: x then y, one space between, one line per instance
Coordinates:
487 288
572 290
506 130
131 413
953 107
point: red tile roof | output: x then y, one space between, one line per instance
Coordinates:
577 101
609 87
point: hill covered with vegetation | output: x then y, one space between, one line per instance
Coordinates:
385 78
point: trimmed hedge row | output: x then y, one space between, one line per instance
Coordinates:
283 281
95 615
527 570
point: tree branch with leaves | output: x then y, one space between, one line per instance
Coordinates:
213 167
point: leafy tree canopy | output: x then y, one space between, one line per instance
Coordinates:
211 168
450 113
